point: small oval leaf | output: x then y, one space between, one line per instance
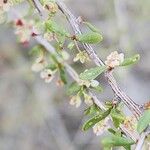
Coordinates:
92 73
91 122
73 88
91 38
91 27
115 140
131 60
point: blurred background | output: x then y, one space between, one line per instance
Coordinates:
37 116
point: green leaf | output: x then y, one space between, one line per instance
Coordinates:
91 38
70 45
131 60
91 122
114 140
37 50
92 110
73 88
51 67
144 121
97 88
117 116
63 75
112 131
92 73
91 27
51 26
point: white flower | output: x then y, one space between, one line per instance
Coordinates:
82 56
47 75
75 100
40 64
114 59
88 99
100 127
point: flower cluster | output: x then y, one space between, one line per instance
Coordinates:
25 30
40 64
130 123
114 59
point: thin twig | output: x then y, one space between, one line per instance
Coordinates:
140 142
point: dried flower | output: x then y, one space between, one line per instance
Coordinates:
75 100
114 59
47 75
25 30
100 127
40 64
82 56
51 7
130 123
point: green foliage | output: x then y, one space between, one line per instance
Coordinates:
117 117
92 110
63 75
97 88
92 73
70 45
91 27
51 26
131 60
37 50
144 121
73 88
92 121
115 140
91 38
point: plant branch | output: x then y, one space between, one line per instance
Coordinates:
75 76
134 107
